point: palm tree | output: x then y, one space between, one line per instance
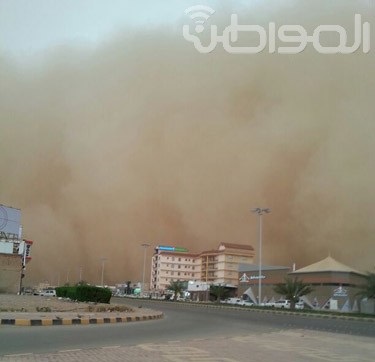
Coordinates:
176 287
293 289
218 291
367 290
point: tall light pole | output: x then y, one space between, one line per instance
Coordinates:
260 212
80 273
103 260
145 246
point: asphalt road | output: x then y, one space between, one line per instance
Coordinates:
181 322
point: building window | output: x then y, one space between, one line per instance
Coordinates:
179 259
179 267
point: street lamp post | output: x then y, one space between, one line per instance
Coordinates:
80 273
103 260
145 246
260 212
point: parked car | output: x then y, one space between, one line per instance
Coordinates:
232 301
48 293
300 305
283 303
246 303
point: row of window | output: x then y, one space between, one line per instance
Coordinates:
180 273
180 259
179 266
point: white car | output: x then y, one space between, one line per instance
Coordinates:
283 303
300 305
246 303
232 301
48 293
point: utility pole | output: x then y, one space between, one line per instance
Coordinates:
145 246
260 212
103 260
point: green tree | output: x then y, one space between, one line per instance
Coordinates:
367 290
176 287
218 291
292 289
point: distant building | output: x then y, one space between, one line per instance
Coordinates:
172 263
335 284
14 254
249 281
14 251
218 266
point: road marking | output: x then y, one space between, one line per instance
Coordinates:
18 355
70 350
109 347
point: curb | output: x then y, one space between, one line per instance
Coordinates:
76 321
278 311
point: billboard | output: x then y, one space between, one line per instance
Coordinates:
172 248
10 219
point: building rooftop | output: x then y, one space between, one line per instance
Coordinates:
236 246
327 265
223 246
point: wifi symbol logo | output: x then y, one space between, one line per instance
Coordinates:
200 14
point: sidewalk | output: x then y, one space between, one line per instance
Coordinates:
280 346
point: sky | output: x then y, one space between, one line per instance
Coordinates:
115 131
29 27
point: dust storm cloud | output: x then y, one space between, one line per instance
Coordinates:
143 139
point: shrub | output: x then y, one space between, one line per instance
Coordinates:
85 293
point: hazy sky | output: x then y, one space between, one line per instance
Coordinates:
29 26
118 132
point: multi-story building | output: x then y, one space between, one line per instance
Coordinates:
172 263
218 266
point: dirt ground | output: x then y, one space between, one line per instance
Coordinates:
36 303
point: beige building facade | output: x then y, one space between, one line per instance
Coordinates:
218 266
